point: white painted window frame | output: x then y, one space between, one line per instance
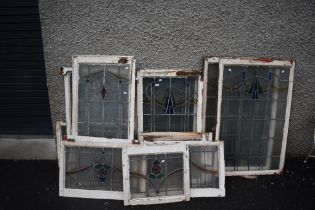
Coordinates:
211 192
249 61
146 150
72 132
167 73
81 193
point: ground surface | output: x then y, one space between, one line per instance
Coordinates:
34 185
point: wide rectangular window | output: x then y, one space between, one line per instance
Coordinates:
140 174
93 168
89 169
156 174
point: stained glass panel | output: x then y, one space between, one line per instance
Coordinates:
170 104
103 100
156 175
204 166
93 168
252 116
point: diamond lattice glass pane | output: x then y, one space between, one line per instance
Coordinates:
93 168
170 104
204 166
156 175
252 117
103 100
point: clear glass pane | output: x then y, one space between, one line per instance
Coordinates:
212 97
253 111
103 100
204 166
156 175
93 168
170 104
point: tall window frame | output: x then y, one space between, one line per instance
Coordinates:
72 108
169 74
248 61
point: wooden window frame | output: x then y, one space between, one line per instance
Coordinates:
146 150
249 61
72 108
81 193
211 192
167 136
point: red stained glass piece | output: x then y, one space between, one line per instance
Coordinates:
103 91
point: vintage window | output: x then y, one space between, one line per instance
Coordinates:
207 173
89 170
169 103
103 90
156 174
139 174
253 101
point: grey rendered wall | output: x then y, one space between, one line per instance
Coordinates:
177 34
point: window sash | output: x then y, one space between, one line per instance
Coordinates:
81 193
222 62
169 73
77 60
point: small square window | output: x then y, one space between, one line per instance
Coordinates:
156 174
169 101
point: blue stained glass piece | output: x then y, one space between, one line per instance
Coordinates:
169 104
243 75
269 75
255 89
102 179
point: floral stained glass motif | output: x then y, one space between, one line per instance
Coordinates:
101 166
156 175
93 168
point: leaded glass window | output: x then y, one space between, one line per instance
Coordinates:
103 97
207 172
156 175
103 100
169 104
212 98
93 168
169 101
252 117
254 101
204 166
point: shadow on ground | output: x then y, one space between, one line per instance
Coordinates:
34 185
